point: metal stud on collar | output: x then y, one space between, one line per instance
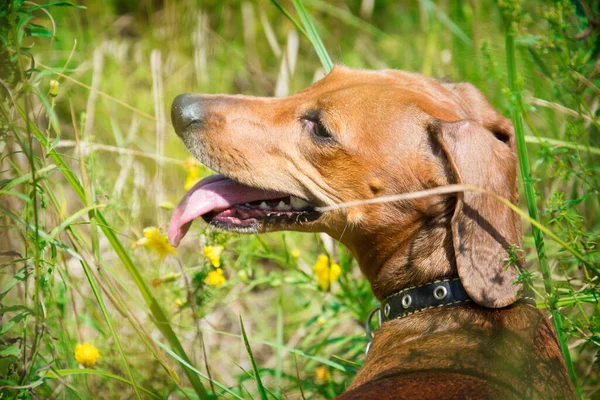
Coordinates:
406 301
440 292
386 310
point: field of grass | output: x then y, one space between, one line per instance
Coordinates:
91 169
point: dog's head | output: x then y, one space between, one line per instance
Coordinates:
356 135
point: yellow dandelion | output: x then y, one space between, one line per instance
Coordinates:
193 173
157 241
215 278
86 354
213 253
178 303
322 374
321 320
295 253
326 271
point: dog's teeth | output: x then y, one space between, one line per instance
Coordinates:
282 206
263 206
247 204
298 203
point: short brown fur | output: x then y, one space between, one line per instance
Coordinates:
396 132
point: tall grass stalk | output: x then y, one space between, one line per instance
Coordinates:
259 384
526 178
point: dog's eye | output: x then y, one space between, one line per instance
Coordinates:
316 128
319 130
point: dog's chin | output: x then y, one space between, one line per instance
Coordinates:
233 220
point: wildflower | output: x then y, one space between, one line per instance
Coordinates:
213 253
295 253
178 303
54 85
327 271
193 173
322 374
86 354
172 277
321 320
157 241
215 278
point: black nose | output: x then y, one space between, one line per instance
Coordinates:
186 110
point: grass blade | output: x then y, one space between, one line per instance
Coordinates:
59 373
278 355
313 36
175 356
259 384
517 118
111 328
447 22
159 316
292 350
289 17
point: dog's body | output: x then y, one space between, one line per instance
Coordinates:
357 135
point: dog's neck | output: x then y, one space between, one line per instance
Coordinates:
406 255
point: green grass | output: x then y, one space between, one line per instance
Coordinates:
83 174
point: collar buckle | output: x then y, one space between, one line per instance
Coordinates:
368 325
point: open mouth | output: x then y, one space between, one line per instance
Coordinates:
230 205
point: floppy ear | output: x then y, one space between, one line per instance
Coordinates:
482 227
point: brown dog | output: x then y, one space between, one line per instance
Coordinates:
362 134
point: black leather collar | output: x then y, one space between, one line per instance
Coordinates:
436 294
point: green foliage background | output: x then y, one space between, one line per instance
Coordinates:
84 171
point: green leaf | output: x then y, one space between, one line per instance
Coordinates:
18 277
37 30
57 4
10 351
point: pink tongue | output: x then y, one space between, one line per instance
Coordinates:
215 192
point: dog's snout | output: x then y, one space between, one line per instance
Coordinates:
186 109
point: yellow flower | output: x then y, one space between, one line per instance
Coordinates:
86 354
213 253
295 253
215 278
193 173
326 271
321 320
178 303
322 374
157 241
